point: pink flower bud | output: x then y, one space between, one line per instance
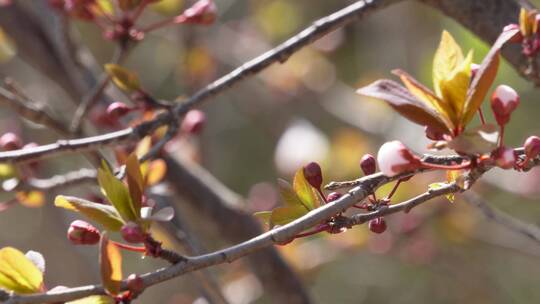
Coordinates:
333 196
433 133
193 122
313 174
395 158
368 164
532 146
135 283
82 233
503 102
203 12
505 158
518 37
10 141
118 109
133 233
377 225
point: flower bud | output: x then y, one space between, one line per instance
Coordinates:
433 133
133 233
333 196
193 122
394 158
313 174
118 109
503 102
82 233
505 158
377 225
203 12
10 141
135 283
368 164
532 146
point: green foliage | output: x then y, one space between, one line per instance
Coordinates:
18 273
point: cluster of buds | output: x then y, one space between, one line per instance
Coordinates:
133 233
528 35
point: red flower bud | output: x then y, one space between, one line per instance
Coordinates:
394 158
377 225
118 109
202 12
503 102
10 141
368 164
82 233
532 146
135 283
313 174
505 158
518 37
193 122
133 233
333 196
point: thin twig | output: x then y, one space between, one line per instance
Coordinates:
280 54
529 230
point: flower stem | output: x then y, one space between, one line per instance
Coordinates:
320 228
501 137
394 190
464 165
158 25
481 114
129 247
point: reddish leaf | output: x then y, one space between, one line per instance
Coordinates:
110 261
484 77
405 103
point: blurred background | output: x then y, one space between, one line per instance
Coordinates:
266 128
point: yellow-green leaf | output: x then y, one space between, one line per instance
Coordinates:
94 300
123 78
284 215
304 191
155 172
167 7
447 57
450 197
8 48
287 193
135 182
31 198
117 193
264 216
105 7
104 214
7 171
18 273
454 88
110 262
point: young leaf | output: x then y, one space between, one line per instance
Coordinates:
117 193
454 87
264 216
135 182
18 273
447 57
444 111
104 214
476 141
284 215
304 191
123 78
156 171
7 46
110 262
287 193
31 198
405 103
450 197
484 77
94 300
